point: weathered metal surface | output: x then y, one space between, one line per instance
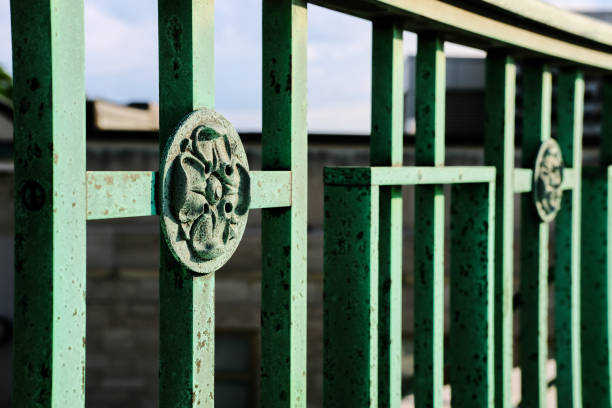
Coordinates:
403 176
570 112
205 191
118 194
187 318
570 179
284 230
471 295
500 96
596 267
547 180
596 287
50 238
350 323
533 348
386 149
523 180
429 225
270 189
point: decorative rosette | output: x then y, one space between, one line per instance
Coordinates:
206 191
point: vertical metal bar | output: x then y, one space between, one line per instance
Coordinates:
187 309
500 95
570 103
537 96
596 268
351 297
605 151
50 204
472 288
285 147
429 224
386 149
595 281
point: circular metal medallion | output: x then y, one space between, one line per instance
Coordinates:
205 191
547 179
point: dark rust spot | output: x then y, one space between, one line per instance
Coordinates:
33 195
34 84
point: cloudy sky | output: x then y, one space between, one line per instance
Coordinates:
121 59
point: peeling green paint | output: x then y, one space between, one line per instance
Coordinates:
429 224
284 230
350 322
471 350
187 311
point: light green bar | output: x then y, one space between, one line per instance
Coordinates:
69 232
406 176
569 179
120 194
533 349
570 112
432 175
478 27
50 230
386 149
186 301
270 189
500 97
429 224
284 230
523 180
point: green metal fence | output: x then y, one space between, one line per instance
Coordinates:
55 196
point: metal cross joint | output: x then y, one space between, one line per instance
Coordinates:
205 191
547 180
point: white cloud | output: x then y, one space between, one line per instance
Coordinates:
121 56
582 5
115 46
245 120
6 60
348 117
339 72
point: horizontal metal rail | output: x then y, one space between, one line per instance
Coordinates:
555 18
404 176
523 180
481 29
120 194
569 179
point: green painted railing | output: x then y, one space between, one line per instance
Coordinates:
55 196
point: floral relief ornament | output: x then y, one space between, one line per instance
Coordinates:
547 180
205 188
